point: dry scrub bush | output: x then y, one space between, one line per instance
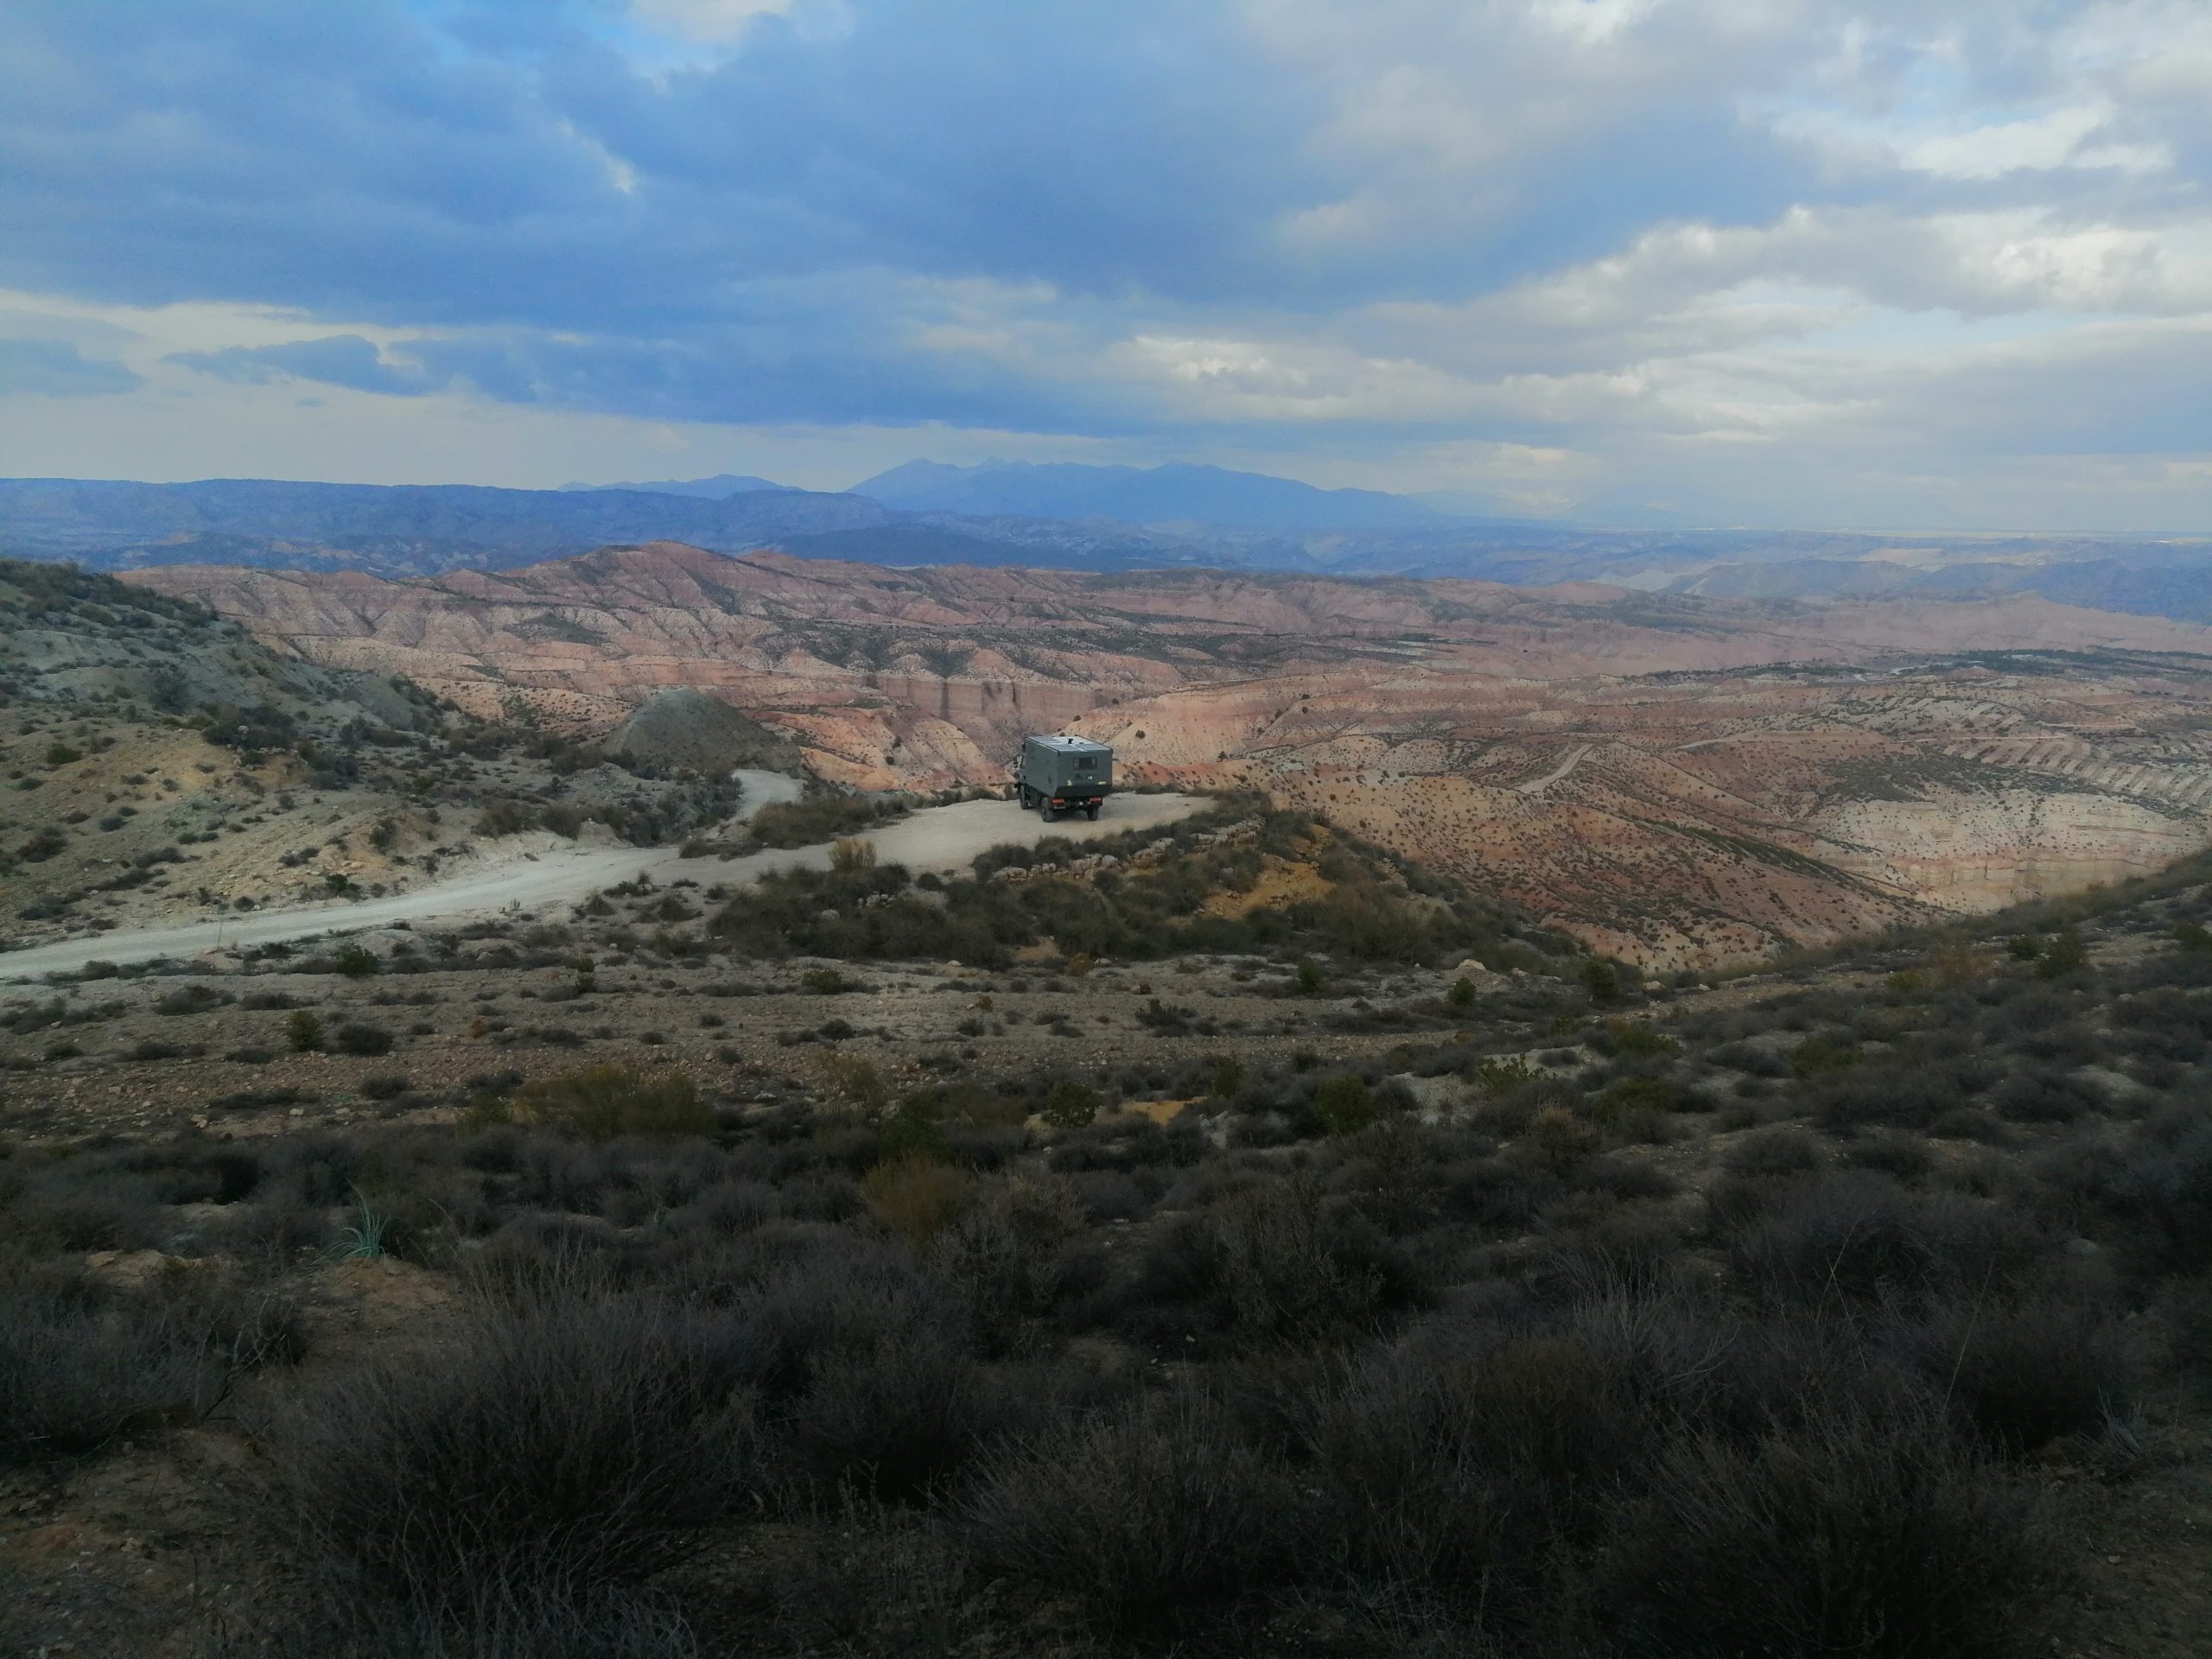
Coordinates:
561 1436
1463 1473
602 1102
1144 1513
1851 1531
82 1362
851 855
916 1197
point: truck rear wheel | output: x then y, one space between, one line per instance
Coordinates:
1044 810
1092 812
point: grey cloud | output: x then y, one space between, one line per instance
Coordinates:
56 368
336 359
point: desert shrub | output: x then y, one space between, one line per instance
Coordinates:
852 855
1069 1103
2161 1192
824 981
1855 1236
854 1079
1776 1151
1146 1513
892 1418
303 1031
1892 1152
1849 1531
1500 1075
1285 1262
1005 1251
1467 1472
1345 1104
362 1039
2065 954
1914 1097
190 999
82 1362
2041 1097
2024 1371
385 1085
528 1611
916 1196
1602 979
601 1101
800 823
504 818
1637 1036
566 1432
1625 1095
357 962
1818 1055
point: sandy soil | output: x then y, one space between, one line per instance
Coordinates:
936 838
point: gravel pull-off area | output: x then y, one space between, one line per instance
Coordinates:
935 838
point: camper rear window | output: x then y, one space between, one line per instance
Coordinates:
1083 764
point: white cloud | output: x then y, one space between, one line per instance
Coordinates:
1977 152
713 21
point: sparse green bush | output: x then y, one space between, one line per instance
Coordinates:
854 1079
1344 1103
1070 1104
1817 1056
1637 1036
2065 954
303 1031
1500 1074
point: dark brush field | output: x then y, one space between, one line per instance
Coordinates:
1208 1260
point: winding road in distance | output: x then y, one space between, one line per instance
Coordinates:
934 838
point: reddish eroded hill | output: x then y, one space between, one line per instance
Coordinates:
1680 781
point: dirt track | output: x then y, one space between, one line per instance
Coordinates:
935 838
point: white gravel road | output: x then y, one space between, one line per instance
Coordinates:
936 838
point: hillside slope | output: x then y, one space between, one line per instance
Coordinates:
159 764
1679 778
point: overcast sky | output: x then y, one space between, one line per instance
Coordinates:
1768 262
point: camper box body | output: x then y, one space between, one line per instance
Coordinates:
1063 774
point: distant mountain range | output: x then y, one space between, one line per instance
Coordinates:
1173 494
1058 517
719 488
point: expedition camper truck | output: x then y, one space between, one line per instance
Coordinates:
1063 774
